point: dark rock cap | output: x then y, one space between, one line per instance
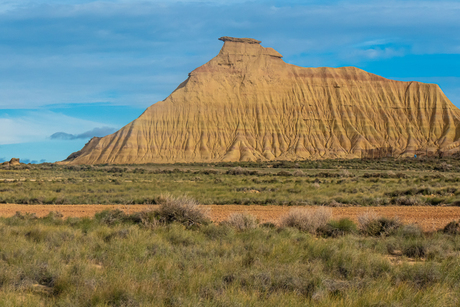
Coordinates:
239 40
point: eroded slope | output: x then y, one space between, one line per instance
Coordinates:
248 104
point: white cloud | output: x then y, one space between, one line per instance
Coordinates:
377 53
82 51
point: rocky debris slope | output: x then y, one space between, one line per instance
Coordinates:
247 104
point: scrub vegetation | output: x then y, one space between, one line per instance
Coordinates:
407 182
174 256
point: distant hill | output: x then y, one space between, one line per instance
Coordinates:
247 104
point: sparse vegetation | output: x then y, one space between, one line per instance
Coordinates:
184 210
242 221
174 256
373 225
341 227
370 182
309 220
113 259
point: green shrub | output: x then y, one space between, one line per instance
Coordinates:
453 228
373 225
415 249
284 174
27 216
421 276
121 234
54 217
435 201
268 225
146 218
215 232
36 234
111 217
410 231
338 228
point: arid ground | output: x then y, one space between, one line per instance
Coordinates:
173 257
418 191
429 218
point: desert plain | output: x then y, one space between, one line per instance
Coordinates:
367 232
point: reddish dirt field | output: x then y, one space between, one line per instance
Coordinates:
429 218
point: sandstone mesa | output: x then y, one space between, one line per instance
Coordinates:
247 104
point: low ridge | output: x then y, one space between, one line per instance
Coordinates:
247 104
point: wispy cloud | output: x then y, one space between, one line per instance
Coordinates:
85 51
99 132
134 53
33 126
375 53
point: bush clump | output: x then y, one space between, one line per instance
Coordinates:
409 201
411 231
421 276
146 218
27 216
54 217
453 228
373 225
307 219
338 228
111 217
242 221
415 250
184 210
298 173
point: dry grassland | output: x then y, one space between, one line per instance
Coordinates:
428 218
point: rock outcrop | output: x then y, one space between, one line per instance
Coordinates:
247 104
12 162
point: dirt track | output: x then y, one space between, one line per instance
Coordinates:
429 218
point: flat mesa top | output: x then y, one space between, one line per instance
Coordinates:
239 40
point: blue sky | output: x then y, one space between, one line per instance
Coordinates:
71 69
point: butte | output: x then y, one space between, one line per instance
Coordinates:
247 104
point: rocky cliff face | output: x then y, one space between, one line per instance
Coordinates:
248 104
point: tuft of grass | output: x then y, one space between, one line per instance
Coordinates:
146 218
411 231
126 264
54 217
242 221
111 217
309 220
338 228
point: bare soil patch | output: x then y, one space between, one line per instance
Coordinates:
429 218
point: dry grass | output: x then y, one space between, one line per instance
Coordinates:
307 219
113 260
357 183
367 218
184 210
242 221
